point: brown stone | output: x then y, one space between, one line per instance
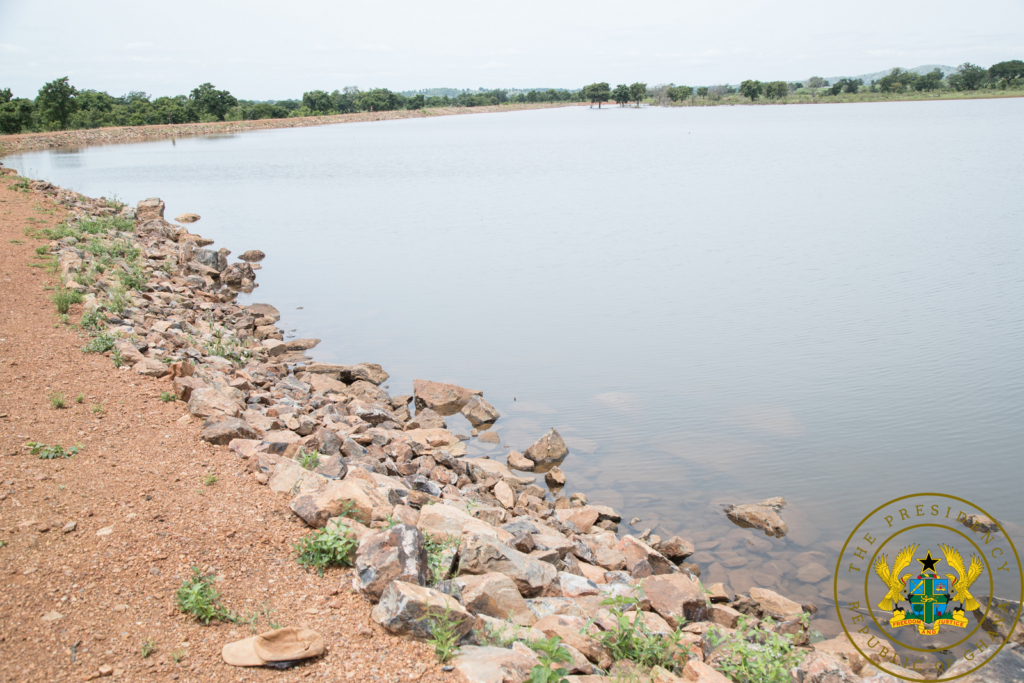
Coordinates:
676 597
517 461
407 608
222 433
763 515
395 554
479 412
446 399
547 449
495 595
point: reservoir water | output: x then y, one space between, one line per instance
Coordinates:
712 305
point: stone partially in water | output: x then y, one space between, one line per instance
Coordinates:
187 218
479 411
763 515
446 399
549 448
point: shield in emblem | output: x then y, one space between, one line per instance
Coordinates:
929 597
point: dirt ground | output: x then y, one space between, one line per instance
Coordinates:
144 509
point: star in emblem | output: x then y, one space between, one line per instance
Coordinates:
928 563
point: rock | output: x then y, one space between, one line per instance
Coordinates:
441 521
355 496
426 419
187 218
264 311
366 372
69 527
555 478
406 608
322 384
698 672
812 573
774 605
489 437
573 586
763 515
210 402
548 449
723 615
211 259
583 517
52 615
495 595
517 461
274 347
479 412
676 597
395 554
446 399
149 210
505 495
483 554
149 367
573 631
842 649
642 560
676 549
476 664
821 667
253 256
224 431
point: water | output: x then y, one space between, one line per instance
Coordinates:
711 305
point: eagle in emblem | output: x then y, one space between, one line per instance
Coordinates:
892 579
962 584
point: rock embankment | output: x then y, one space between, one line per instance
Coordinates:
440 536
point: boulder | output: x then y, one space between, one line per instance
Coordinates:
821 667
150 367
484 554
773 605
274 347
555 479
395 554
441 521
676 598
548 449
426 419
323 384
573 631
352 496
367 372
149 210
676 549
696 671
479 412
642 560
505 495
253 256
763 515
211 259
842 649
407 608
446 399
210 402
264 311
221 433
476 664
495 595
518 461
583 517
187 218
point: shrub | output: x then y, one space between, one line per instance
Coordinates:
64 298
58 400
753 655
633 640
309 461
101 343
167 397
198 596
436 551
330 546
551 653
52 452
133 278
444 632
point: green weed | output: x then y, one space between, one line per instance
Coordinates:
436 551
115 355
64 298
134 278
177 656
325 547
43 250
148 647
58 400
167 397
91 321
97 409
52 452
101 343
309 461
118 300
210 479
198 596
753 655
227 347
444 632
80 398
633 640
551 653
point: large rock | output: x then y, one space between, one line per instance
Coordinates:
774 605
821 667
676 598
149 210
150 367
676 549
353 497
583 517
184 386
1005 667
367 372
642 560
495 595
264 311
479 412
697 671
253 256
573 631
210 402
518 461
395 554
446 399
211 259
407 608
426 419
221 433
475 664
484 554
842 649
547 449
441 521
763 515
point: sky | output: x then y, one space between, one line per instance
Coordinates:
278 50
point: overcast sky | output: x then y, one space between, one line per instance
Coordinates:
278 50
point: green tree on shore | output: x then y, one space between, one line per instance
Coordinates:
212 102
969 77
702 91
57 102
751 89
679 93
849 85
318 101
621 95
776 90
596 93
816 82
1010 70
15 113
637 92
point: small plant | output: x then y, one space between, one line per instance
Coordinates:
97 409
64 319
58 400
325 547
134 278
503 637
167 397
198 597
64 298
227 347
632 640
436 551
178 655
80 398
91 321
101 343
118 301
43 250
444 632
115 355
3 544
753 655
551 653
52 452
309 461
148 646
210 479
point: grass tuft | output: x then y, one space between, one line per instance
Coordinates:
198 596
58 400
167 397
330 546
64 298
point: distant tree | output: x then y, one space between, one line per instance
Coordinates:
793 87
849 85
637 92
15 113
415 102
621 95
679 93
57 103
702 91
318 101
969 77
752 89
596 93
816 82
776 90
897 80
5 95
379 99
212 102
1010 70
930 81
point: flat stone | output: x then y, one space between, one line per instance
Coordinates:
763 515
187 218
441 521
446 399
253 256
495 595
812 573
477 664
676 598
223 432
698 672
355 496
518 461
676 549
210 402
489 437
583 517
774 605
482 554
642 560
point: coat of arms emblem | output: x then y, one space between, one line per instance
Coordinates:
931 596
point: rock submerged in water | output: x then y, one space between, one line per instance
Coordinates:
253 256
445 399
547 449
187 218
763 515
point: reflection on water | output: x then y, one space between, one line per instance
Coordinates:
711 305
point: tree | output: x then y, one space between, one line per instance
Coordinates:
212 102
621 95
415 102
897 81
970 77
57 102
849 85
816 82
679 93
1009 70
930 81
596 93
637 92
15 113
318 101
702 91
752 89
776 90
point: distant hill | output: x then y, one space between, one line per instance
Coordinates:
945 69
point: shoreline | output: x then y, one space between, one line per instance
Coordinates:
34 142
263 404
